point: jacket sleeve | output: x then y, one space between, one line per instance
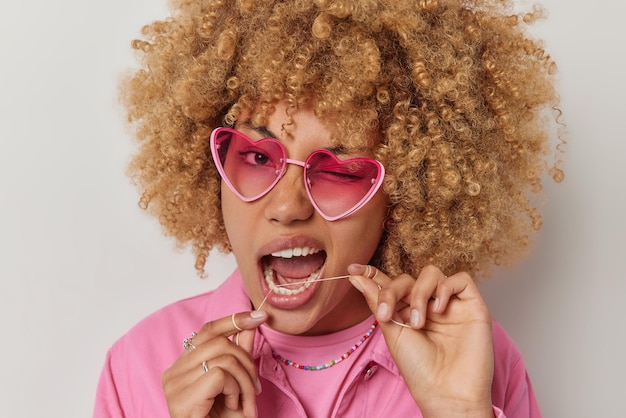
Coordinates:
511 391
520 399
107 403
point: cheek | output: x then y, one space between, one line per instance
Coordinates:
362 236
240 229
371 229
234 215
227 210
368 237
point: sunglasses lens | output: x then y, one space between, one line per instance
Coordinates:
250 168
339 188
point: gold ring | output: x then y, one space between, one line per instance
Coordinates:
368 272
232 319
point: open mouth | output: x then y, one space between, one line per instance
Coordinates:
291 271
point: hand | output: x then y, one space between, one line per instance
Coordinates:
230 376
444 346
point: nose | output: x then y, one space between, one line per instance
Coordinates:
288 201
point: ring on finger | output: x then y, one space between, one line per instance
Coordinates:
368 272
232 319
204 366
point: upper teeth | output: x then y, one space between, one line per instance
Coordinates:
295 252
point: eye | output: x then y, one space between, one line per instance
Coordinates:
254 157
346 172
339 175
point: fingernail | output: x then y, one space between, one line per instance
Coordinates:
258 314
415 318
436 306
356 269
356 283
383 310
259 388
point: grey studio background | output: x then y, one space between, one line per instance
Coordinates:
80 263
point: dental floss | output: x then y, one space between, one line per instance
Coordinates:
321 280
297 283
400 323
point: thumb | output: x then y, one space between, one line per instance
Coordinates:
368 288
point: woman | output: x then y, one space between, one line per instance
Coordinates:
365 162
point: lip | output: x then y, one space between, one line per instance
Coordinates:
288 301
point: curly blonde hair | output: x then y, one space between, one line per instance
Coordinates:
461 96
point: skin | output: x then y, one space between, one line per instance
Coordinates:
448 322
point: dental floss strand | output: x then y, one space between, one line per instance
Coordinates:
297 283
322 280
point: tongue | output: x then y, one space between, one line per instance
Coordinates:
297 267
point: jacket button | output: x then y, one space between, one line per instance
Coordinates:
370 371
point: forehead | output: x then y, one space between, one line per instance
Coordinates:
287 123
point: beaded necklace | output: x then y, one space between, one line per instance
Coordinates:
332 362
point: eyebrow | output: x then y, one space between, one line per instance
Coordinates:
266 133
262 130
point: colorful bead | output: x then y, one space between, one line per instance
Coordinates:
332 362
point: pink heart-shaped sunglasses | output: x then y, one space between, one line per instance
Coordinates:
336 188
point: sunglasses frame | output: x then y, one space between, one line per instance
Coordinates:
377 182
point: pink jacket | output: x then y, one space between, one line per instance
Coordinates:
130 383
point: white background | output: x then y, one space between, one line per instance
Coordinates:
80 263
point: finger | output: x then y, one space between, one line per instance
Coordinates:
246 384
245 340
230 325
364 284
423 291
395 291
200 398
223 375
460 286
187 368
390 292
370 281
371 290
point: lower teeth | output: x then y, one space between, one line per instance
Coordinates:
282 290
